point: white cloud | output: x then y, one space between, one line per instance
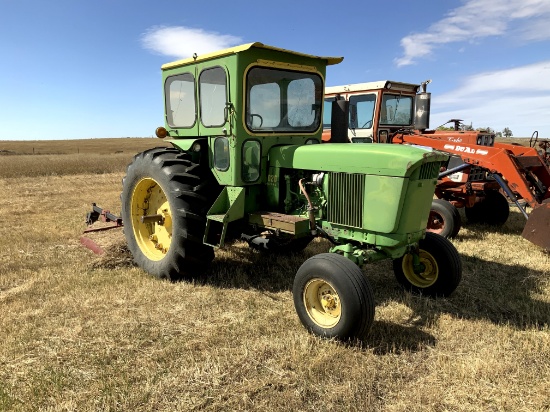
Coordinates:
517 98
477 19
182 42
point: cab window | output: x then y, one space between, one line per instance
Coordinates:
327 112
283 100
361 111
396 110
180 100
251 160
213 96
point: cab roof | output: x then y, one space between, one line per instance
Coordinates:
237 49
381 84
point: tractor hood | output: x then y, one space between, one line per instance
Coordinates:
365 158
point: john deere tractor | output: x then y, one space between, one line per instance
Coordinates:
245 124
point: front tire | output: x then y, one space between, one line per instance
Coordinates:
333 298
444 219
173 194
439 272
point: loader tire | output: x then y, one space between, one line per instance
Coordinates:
174 194
441 268
444 219
492 210
333 298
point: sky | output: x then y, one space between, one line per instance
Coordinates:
74 69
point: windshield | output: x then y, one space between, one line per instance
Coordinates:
283 101
327 112
396 110
361 111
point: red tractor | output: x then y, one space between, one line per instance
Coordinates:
481 176
544 147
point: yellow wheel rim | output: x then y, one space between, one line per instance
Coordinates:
425 278
323 305
153 234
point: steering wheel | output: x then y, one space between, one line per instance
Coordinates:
252 119
369 123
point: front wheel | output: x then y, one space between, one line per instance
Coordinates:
333 298
444 219
437 272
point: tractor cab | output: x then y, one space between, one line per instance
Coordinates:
376 109
240 102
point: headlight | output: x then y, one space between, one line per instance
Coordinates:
161 132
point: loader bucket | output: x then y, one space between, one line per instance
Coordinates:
537 228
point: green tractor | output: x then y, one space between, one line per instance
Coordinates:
245 124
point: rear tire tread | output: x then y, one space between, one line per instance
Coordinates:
190 191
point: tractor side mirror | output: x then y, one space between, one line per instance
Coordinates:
422 111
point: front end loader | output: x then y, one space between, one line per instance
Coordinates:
481 175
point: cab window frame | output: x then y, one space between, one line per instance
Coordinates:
169 113
283 109
202 93
244 164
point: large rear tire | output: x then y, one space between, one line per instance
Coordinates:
493 209
333 298
173 194
439 272
444 219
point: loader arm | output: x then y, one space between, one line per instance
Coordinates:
524 170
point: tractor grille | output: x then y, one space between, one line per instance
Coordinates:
429 170
477 174
486 140
345 199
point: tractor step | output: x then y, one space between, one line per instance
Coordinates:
285 223
228 207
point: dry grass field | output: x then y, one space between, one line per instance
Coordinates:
80 332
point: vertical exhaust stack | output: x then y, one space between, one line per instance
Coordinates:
339 123
422 108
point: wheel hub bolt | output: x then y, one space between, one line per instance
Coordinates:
329 303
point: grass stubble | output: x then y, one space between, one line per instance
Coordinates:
86 332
